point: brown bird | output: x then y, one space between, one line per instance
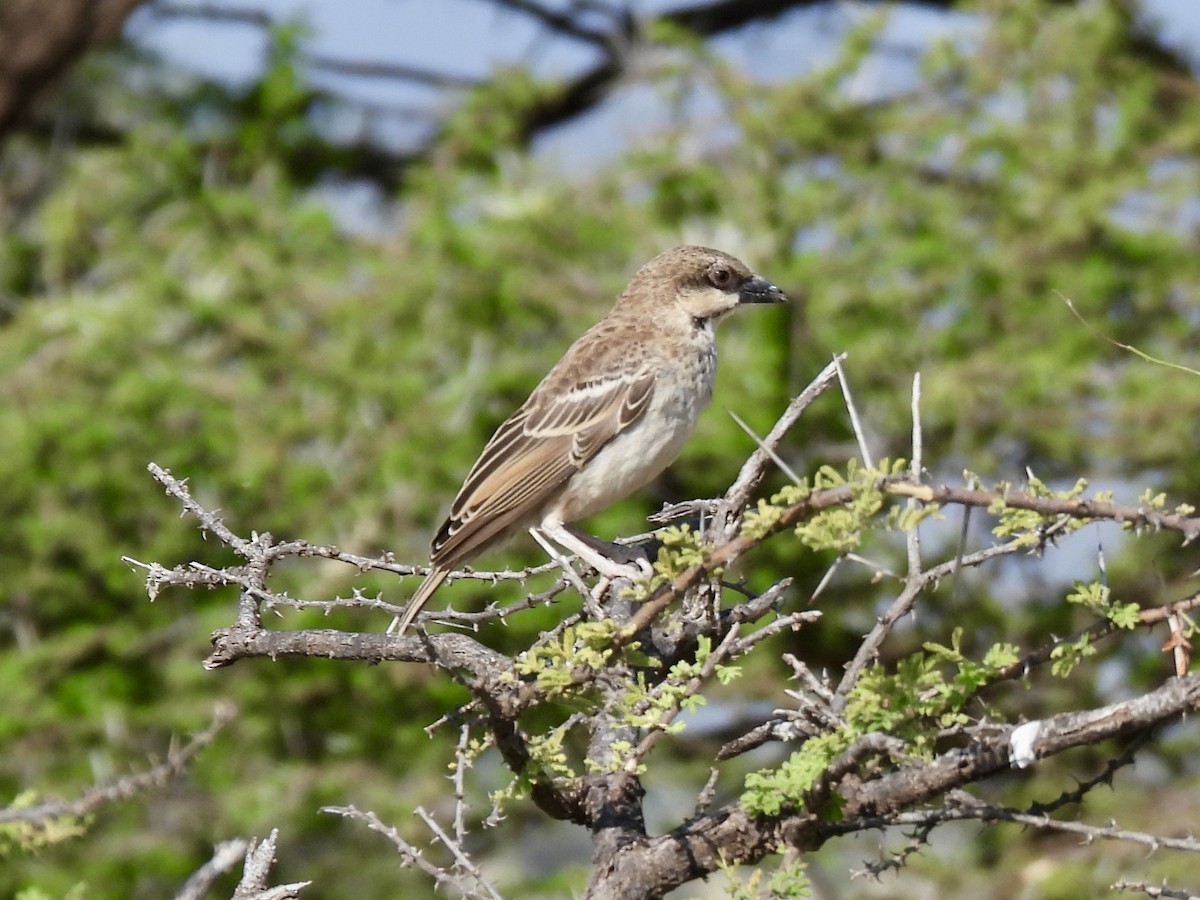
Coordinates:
613 413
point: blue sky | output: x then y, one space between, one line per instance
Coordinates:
471 38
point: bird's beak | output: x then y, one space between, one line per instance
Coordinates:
759 290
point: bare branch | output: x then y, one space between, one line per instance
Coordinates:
212 12
259 859
410 854
863 450
177 760
985 813
462 861
1140 887
754 468
561 23
226 855
1136 516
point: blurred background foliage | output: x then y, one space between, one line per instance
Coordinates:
187 294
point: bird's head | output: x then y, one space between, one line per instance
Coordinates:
704 284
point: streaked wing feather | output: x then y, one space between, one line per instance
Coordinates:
533 454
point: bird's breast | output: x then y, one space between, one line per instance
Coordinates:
683 388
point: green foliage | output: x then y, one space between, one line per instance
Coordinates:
649 707
1097 598
177 295
769 791
759 521
681 549
555 665
28 837
1026 526
789 880
841 527
928 691
919 693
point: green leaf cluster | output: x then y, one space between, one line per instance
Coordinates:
789 880
649 706
555 665
1096 597
29 837
928 691
841 527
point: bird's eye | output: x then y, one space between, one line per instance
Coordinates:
720 276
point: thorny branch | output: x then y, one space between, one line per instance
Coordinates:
608 801
260 856
412 856
176 762
1155 891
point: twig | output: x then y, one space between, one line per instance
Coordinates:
855 423
792 622
1140 887
765 447
704 800
259 859
754 468
916 469
209 521
459 780
985 813
1095 632
719 654
1137 516
172 767
914 585
410 855
226 855
460 855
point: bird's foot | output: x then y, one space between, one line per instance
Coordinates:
611 561
635 567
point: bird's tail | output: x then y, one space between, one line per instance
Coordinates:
431 583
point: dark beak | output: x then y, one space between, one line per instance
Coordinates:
759 290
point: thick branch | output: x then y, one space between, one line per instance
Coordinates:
731 835
41 39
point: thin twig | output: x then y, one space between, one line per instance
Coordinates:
1155 891
260 856
410 855
226 855
754 468
459 780
916 469
913 587
719 654
985 813
765 447
177 760
460 855
855 423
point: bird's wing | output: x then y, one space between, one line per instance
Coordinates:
533 454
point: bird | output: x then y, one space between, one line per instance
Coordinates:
608 417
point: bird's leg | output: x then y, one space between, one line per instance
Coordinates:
598 554
618 553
